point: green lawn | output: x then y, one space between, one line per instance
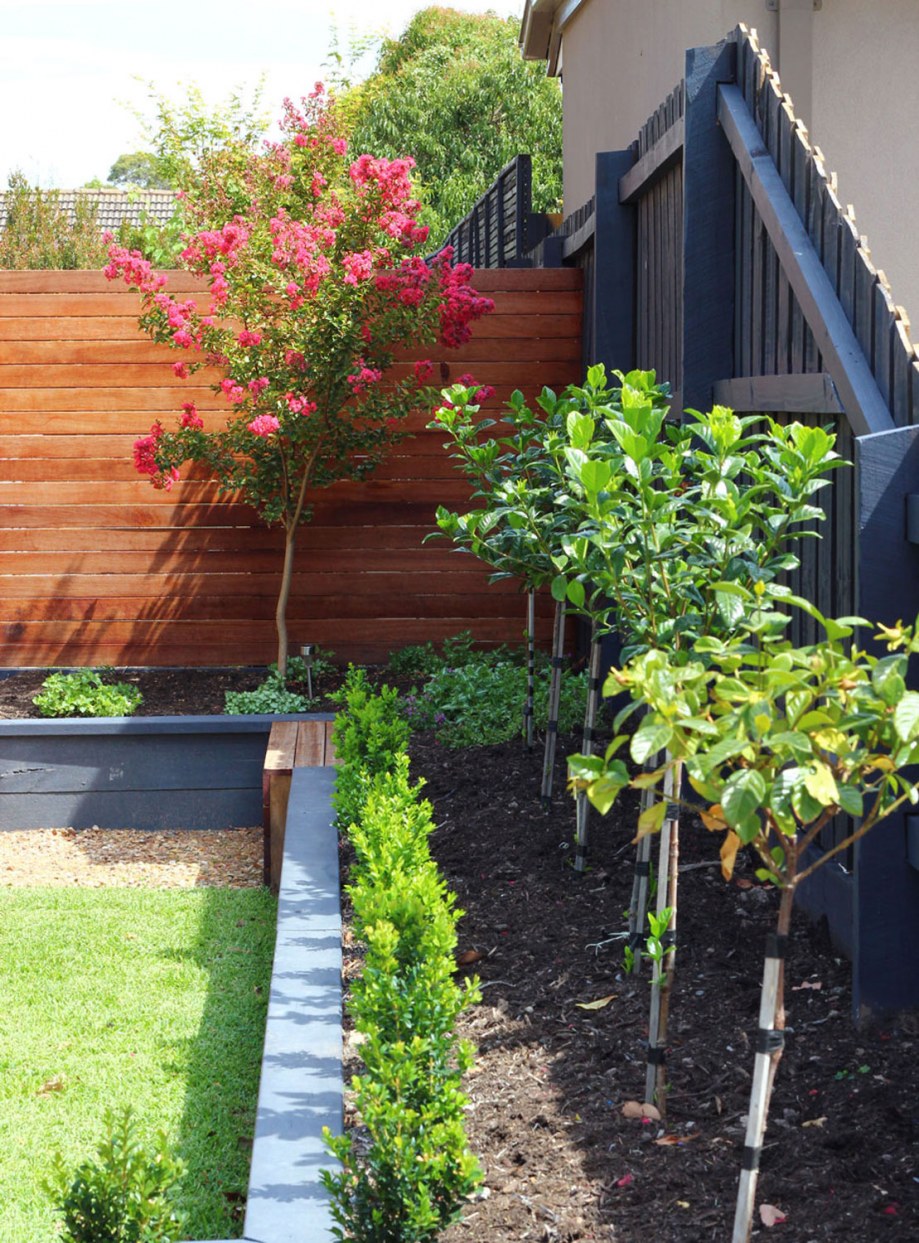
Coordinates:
149 998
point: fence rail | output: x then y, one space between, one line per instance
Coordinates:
502 227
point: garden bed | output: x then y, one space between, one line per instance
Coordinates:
561 1163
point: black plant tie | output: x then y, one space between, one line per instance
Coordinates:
750 1157
769 1040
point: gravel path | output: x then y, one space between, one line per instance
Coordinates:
131 858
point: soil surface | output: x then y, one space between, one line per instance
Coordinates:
561 1162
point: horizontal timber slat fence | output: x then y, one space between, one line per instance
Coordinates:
96 567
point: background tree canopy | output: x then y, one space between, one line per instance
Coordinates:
454 92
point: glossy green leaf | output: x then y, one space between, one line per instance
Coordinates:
650 737
743 795
906 717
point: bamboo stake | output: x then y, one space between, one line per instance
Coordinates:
640 885
531 667
555 689
587 746
664 972
769 1043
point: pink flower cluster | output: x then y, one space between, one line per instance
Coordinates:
482 391
190 416
299 405
391 178
263 425
145 462
227 242
401 226
300 248
460 304
233 392
136 270
409 281
358 267
362 379
247 338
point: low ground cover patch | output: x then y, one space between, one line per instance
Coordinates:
150 998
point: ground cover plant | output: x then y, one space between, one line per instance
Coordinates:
127 997
85 693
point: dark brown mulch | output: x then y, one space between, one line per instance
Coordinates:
561 1162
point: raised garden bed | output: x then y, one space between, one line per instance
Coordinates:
197 772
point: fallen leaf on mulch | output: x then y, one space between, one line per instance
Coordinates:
468 957
769 1215
816 985
638 1109
625 1181
814 1121
675 1141
596 1005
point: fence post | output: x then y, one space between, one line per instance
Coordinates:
613 308
708 228
886 904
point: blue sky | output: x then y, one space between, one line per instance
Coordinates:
66 64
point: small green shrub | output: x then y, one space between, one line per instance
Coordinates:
123 1195
481 704
407 1184
416 660
369 731
272 697
423 660
85 694
323 666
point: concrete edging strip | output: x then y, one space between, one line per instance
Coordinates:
301 1088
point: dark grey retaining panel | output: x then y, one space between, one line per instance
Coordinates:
301 1089
158 772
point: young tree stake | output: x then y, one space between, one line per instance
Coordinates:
590 719
555 689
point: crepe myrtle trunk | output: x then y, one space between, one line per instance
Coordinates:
292 520
280 615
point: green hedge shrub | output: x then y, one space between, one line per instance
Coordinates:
405 1181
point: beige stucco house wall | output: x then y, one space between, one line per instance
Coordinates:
850 66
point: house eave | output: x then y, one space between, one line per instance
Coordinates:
541 30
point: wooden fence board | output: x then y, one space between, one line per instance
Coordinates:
97 567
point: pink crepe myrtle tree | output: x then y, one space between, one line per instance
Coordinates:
316 277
